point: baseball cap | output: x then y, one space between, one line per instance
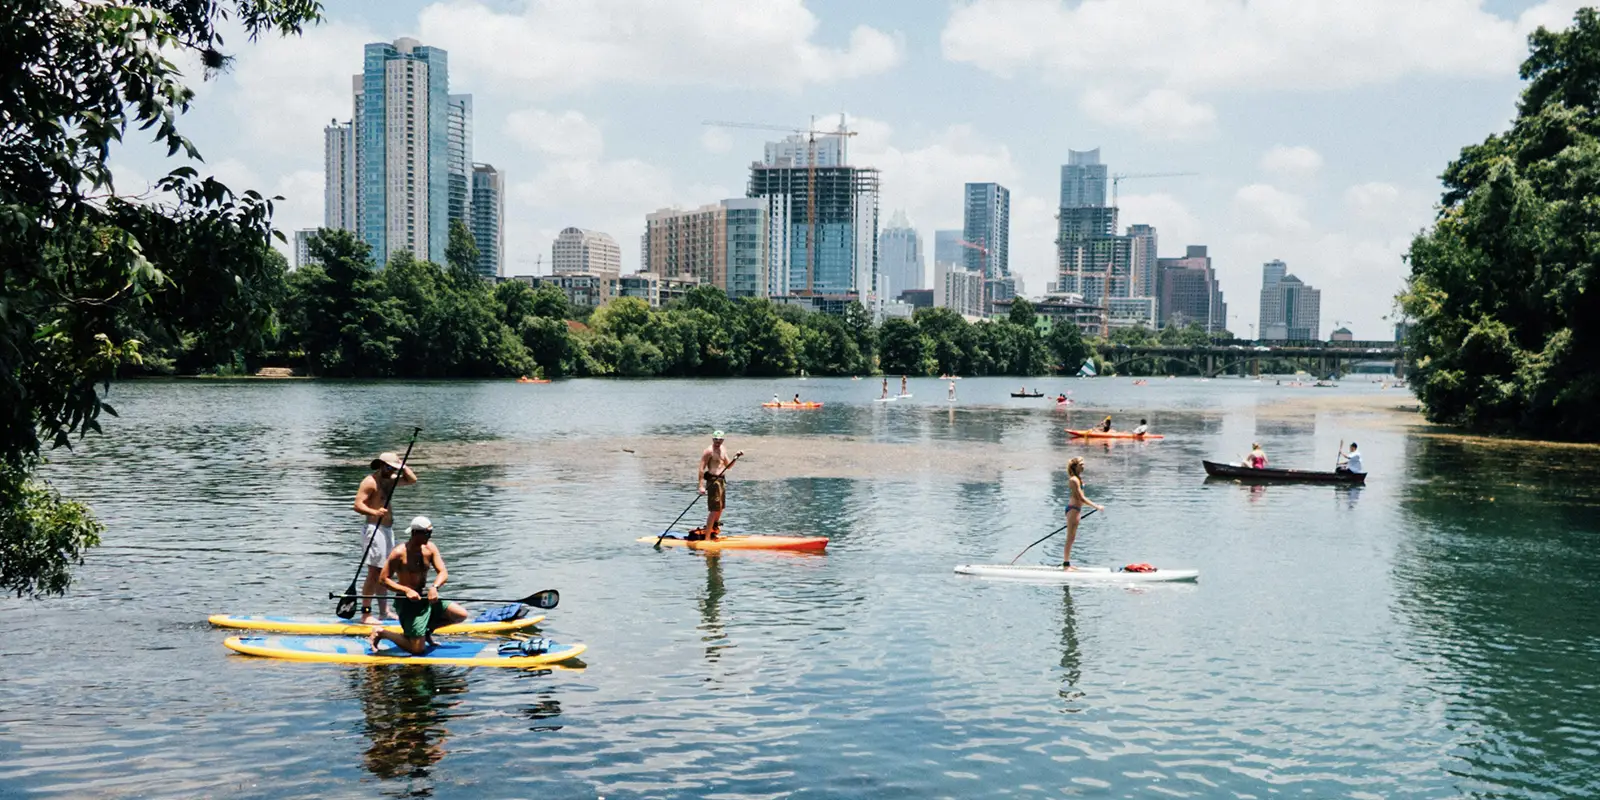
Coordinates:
717 435
421 524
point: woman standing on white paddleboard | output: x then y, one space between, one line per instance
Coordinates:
1075 506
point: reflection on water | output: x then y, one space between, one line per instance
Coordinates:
1426 634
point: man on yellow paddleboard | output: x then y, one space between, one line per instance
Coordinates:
378 530
714 463
405 570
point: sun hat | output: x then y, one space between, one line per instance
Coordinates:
420 524
386 460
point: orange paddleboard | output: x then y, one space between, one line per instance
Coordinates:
814 543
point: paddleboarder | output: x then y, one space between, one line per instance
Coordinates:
714 463
885 387
902 386
378 531
405 570
1075 506
952 390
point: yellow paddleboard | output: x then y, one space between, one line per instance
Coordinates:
333 626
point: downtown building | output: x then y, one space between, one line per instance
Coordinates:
986 230
959 289
1093 262
822 223
580 252
900 262
721 244
1190 293
400 172
487 212
1291 310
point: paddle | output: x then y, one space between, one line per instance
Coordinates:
1081 517
347 604
546 599
692 502
1337 455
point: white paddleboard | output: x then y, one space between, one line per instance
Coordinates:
884 400
1031 572
902 395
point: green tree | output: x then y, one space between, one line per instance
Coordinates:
903 349
954 346
1506 317
461 253
1022 313
1067 347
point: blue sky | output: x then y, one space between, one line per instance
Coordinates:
1317 127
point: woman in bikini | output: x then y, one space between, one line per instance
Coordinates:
1075 507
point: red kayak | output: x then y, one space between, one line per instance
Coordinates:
1113 435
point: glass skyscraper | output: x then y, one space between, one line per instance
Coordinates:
402 148
988 225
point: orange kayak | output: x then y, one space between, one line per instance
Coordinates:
746 542
1113 435
533 380
791 405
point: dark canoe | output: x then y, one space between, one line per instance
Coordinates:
1217 470
1024 394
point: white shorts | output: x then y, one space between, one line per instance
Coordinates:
378 549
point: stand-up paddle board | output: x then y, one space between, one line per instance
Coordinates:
1079 575
883 400
746 542
902 396
333 626
353 650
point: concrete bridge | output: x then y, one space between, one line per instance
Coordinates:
1245 357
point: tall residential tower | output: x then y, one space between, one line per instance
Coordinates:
488 219
402 134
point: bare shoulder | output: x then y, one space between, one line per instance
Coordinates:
368 483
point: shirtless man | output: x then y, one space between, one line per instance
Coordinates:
902 385
378 532
714 463
885 387
405 570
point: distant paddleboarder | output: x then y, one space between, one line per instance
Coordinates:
952 390
1075 506
405 570
378 532
885 387
902 384
714 463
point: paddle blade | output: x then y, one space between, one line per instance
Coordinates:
546 599
347 607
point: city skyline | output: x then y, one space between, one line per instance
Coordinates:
1330 165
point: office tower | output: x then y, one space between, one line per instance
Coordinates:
1091 259
1290 309
402 150
720 244
1189 291
459 158
1083 180
957 288
988 225
339 176
577 251
947 247
900 262
834 252
488 218
1143 260
302 247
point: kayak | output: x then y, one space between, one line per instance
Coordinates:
335 626
1113 435
1244 473
353 650
1079 575
792 405
1026 394
746 542
533 380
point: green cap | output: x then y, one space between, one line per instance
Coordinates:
716 434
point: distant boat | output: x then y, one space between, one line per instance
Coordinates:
1250 474
1087 370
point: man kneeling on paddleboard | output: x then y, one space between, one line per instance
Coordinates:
714 463
405 571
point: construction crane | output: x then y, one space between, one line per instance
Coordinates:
811 134
984 261
1117 179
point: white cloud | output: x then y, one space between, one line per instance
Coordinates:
1373 201
1293 163
716 140
1176 226
568 134
285 90
1261 205
1195 47
563 46
1158 114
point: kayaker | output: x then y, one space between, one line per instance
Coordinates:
377 532
1258 457
1351 462
1105 426
775 400
714 463
797 398
1075 506
405 570
1142 429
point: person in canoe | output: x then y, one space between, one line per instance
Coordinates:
405 570
1075 505
1105 425
1143 428
1257 458
714 463
377 537
1351 461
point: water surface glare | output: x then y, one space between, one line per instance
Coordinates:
1429 635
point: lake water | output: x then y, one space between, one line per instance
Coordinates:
1430 635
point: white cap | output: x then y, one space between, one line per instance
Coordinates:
421 524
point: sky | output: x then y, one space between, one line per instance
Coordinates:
1316 129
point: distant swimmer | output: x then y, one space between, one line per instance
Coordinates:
1144 428
1257 458
1075 506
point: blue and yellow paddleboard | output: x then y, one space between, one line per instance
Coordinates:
333 626
352 650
